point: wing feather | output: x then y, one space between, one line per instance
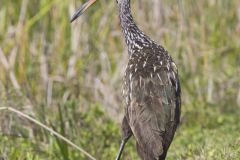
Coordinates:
153 111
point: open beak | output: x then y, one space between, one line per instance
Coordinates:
82 9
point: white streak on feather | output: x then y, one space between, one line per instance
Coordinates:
173 74
169 78
155 68
160 78
131 86
130 76
144 64
140 81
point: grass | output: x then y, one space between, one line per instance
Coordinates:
68 77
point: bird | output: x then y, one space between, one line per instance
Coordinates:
151 90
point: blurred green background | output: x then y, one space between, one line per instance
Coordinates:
69 76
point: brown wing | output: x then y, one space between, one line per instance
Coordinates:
154 110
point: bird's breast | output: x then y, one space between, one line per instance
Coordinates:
146 75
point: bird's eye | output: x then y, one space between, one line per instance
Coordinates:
117 1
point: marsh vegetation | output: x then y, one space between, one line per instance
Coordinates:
69 76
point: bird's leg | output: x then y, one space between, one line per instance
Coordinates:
126 134
121 149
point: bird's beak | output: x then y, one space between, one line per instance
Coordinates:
82 9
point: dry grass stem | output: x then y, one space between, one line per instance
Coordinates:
48 129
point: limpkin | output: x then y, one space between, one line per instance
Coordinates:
151 90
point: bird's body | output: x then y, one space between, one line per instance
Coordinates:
151 90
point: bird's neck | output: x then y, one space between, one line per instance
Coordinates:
134 37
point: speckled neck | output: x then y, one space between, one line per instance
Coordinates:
134 37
